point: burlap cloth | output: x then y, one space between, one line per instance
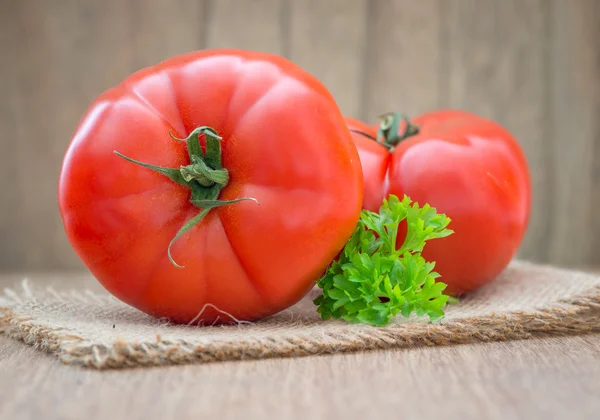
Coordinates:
96 330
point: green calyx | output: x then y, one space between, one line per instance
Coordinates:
389 124
205 176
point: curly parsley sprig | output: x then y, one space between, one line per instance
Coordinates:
373 279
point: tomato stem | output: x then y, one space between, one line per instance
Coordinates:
204 176
389 125
370 137
362 133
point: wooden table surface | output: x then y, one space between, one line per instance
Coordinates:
552 378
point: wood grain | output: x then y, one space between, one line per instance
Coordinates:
541 379
404 60
575 121
538 379
328 39
532 65
497 67
65 59
249 24
11 250
161 29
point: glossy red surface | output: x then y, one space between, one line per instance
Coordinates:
467 167
285 143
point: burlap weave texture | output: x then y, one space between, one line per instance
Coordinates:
97 330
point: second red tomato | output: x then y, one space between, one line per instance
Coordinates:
468 167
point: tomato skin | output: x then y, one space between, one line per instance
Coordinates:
285 143
467 167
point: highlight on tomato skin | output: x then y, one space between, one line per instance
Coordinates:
185 189
465 166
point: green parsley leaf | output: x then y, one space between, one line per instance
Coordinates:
374 279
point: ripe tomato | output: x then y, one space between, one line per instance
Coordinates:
465 166
283 143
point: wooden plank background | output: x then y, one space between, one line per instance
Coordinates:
532 65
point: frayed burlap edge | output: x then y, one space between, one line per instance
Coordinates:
577 315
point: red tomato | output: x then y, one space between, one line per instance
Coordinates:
465 166
284 143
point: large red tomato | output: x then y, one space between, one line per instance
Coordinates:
466 166
283 143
